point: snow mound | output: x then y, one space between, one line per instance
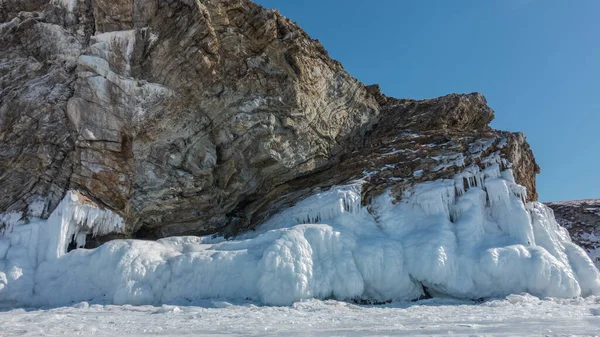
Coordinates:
469 237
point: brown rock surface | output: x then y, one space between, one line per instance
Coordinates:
196 117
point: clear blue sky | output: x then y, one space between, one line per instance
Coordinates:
536 61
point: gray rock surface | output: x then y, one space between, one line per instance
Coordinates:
198 117
582 219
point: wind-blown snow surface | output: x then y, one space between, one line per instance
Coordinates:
517 315
468 237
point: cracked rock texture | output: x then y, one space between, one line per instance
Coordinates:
199 117
582 219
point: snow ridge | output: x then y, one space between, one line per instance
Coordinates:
467 237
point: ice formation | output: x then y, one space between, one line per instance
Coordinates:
27 244
69 5
122 41
468 237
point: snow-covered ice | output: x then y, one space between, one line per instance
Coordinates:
517 315
470 237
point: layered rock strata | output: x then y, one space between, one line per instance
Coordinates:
199 117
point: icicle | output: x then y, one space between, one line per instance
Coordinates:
459 187
434 197
9 220
497 191
76 217
491 171
519 191
329 204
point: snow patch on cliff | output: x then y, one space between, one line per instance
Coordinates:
117 42
468 237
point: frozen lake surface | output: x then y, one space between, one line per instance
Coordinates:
518 315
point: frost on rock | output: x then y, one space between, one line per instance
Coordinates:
115 44
468 237
69 5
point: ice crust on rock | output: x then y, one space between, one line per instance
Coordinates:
69 5
122 43
448 238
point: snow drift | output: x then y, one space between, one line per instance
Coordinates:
468 237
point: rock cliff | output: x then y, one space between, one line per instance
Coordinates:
160 118
582 219
200 117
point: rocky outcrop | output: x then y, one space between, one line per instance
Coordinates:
454 138
582 219
197 117
37 61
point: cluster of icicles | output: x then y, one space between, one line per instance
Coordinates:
472 236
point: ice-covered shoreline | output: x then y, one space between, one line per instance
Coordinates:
444 238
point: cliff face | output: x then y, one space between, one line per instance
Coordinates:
198 117
147 118
582 219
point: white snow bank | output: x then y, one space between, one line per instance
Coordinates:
445 238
